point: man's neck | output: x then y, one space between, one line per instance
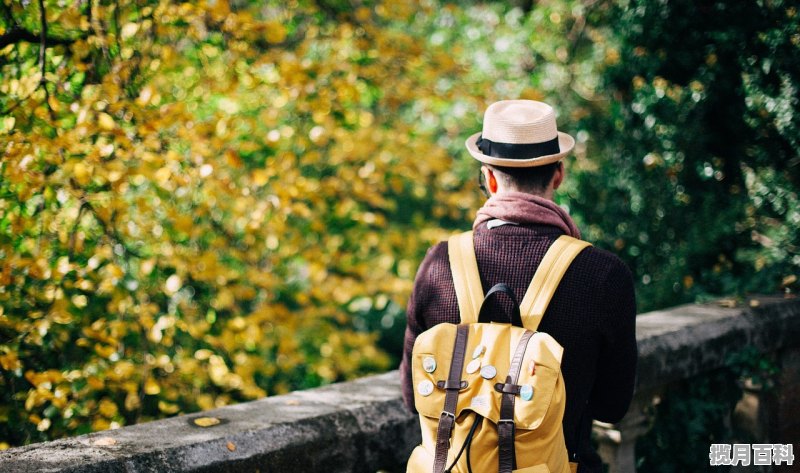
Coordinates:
545 194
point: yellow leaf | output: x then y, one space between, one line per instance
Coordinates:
104 351
8 124
9 361
95 383
128 30
106 122
43 425
151 387
82 173
205 401
59 314
206 422
727 303
276 32
107 408
173 284
79 300
260 177
100 423
168 407
162 175
688 282
363 14
132 402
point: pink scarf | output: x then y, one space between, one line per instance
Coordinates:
523 208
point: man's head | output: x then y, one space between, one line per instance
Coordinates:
520 148
537 180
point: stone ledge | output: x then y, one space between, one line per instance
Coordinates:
362 426
683 341
346 427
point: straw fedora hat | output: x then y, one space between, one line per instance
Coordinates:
519 133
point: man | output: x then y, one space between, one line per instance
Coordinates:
592 313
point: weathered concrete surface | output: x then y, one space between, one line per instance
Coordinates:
361 426
686 340
786 428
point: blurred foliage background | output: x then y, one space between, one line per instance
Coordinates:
205 203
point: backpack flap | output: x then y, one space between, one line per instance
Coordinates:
490 348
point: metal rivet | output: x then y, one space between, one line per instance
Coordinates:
425 388
479 350
488 372
473 366
429 364
526 392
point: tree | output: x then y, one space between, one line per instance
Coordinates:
204 203
701 136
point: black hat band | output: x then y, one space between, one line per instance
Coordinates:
517 150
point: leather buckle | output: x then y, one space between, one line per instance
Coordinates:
446 385
507 388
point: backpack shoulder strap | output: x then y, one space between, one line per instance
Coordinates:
467 280
548 275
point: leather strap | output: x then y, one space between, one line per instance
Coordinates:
545 282
505 427
514 317
448 416
467 280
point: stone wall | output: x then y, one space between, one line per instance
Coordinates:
686 341
361 426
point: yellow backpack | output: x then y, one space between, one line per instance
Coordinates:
491 396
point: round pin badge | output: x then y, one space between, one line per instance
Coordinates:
526 392
488 372
425 388
479 350
429 364
473 366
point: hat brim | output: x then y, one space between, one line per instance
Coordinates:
565 144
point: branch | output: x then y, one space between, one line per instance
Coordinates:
110 232
17 104
6 11
17 34
74 232
42 38
43 58
89 12
576 32
526 6
116 26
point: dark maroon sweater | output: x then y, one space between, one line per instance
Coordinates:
592 315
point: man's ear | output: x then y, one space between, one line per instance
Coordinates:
490 179
558 176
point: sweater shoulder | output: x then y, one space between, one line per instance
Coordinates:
436 260
594 258
600 270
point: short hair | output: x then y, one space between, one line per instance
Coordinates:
526 179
